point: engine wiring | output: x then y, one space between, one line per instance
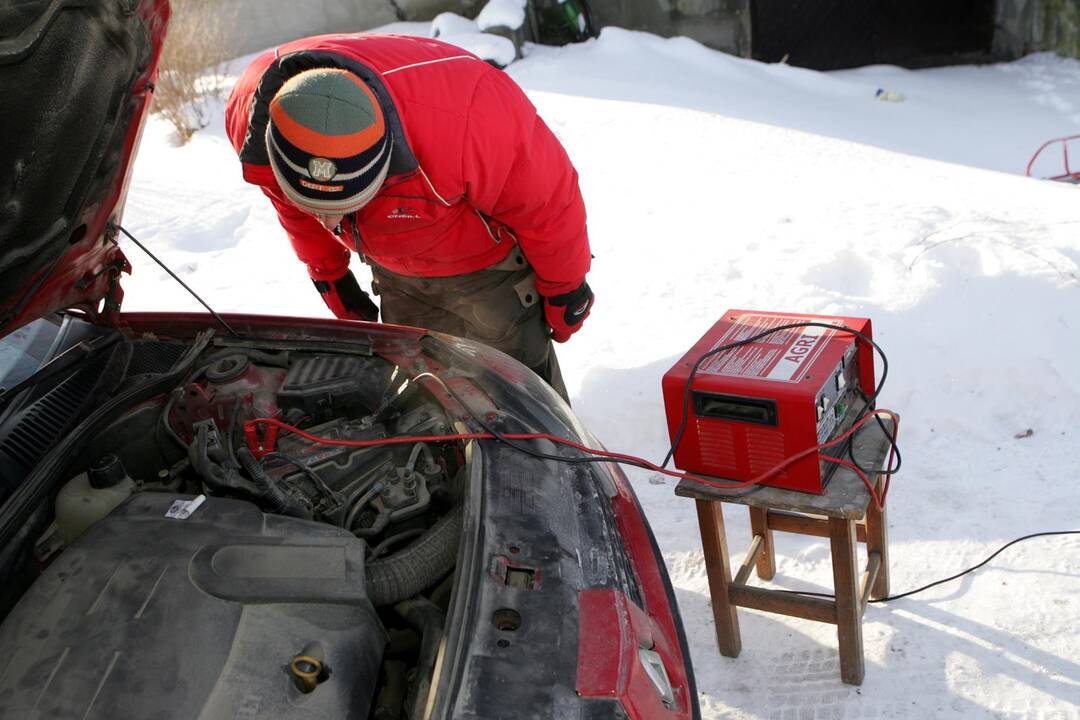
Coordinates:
596 455
370 493
395 539
310 474
510 439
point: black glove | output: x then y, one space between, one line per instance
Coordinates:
346 300
565 313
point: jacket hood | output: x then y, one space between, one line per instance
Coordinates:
75 78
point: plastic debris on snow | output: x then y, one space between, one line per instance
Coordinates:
889 95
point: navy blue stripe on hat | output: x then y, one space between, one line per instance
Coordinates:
336 193
344 165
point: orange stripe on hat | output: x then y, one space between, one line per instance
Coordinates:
331 146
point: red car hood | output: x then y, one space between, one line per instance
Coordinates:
76 81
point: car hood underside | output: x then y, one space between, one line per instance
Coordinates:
76 83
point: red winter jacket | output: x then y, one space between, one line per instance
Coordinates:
472 171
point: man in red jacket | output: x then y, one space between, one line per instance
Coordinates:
434 167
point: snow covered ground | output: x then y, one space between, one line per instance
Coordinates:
715 182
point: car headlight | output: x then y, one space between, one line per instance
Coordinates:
654 668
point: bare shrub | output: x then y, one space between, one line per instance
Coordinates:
192 68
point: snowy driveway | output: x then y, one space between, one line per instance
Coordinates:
714 182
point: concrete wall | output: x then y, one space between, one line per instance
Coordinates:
721 24
259 24
1023 26
1026 26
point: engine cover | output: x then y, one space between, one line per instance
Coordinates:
149 616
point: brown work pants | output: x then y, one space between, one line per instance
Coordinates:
498 306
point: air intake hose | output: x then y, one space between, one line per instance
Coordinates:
221 475
404 574
270 497
219 479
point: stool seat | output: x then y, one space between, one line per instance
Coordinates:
845 514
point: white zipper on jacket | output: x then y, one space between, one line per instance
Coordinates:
432 186
487 226
428 62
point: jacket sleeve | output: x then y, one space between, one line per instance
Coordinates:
517 172
326 257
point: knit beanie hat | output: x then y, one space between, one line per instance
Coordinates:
327 141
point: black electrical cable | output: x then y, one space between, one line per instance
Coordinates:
230 434
167 426
627 461
389 542
686 398
957 576
376 488
514 444
310 474
889 471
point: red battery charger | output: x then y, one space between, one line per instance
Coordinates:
754 406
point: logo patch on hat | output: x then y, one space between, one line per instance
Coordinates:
321 169
320 187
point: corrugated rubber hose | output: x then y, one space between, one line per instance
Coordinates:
405 573
270 497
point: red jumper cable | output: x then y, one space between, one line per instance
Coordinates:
261 446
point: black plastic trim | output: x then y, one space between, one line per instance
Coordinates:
757 411
37 486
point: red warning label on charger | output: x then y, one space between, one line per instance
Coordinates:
781 356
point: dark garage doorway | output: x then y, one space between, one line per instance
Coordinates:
832 34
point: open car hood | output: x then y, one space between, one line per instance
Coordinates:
76 81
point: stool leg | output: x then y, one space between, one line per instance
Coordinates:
846 587
759 525
877 540
718 567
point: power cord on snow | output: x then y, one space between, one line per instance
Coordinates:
957 576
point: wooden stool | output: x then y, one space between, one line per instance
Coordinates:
845 514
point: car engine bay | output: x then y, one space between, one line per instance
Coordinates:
171 566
